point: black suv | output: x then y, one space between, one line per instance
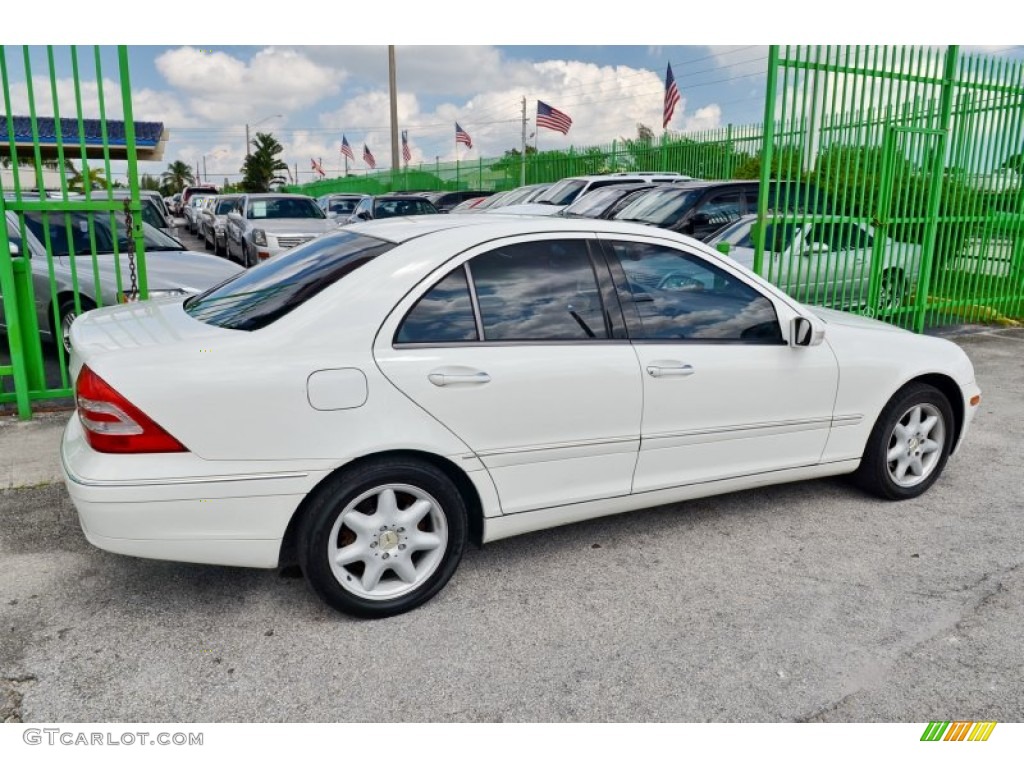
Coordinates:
701 208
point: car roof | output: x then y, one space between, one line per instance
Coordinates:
491 225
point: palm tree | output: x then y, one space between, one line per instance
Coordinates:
261 168
178 176
77 182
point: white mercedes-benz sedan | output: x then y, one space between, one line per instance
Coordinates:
370 402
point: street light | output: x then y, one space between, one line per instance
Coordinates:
212 154
247 145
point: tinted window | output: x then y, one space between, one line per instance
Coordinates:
385 209
839 236
681 296
661 207
224 207
342 204
717 211
57 224
562 193
540 291
283 208
444 313
594 203
259 296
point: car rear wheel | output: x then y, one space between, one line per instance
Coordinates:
383 538
909 445
67 315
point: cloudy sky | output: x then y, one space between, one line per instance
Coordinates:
309 95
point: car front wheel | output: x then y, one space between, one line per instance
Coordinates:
909 445
383 538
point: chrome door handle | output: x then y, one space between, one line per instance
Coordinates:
657 370
443 378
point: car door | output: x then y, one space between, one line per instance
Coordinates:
233 228
724 393
516 350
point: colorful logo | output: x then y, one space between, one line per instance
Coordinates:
958 731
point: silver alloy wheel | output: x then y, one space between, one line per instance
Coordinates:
65 330
915 445
387 541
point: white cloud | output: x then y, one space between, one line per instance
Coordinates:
224 89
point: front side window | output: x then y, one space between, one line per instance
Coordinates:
678 296
75 226
661 207
539 291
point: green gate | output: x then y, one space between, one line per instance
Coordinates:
912 157
51 268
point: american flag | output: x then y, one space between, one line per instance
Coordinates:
406 152
549 117
346 149
318 166
461 137
368 157
671 97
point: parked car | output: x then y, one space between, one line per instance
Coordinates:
213 220
701 208
196 189
425 382
445 201
152 212
827 262
171 269
339 206
388 206
192 212
566 191
262 225
604 202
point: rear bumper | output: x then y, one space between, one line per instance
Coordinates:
237 519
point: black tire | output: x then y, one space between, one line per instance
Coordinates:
877 474
893 291
66 315
321 519
217 250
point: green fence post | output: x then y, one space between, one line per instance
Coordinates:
133 170
935 188
767 147
35 368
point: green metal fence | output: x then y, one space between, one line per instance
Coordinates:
730 152
913 156
45 281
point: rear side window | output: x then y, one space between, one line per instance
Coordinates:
443 314
257 297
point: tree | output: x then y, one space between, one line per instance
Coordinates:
78 183
178 176
149 182
262 168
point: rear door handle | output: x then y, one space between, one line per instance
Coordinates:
660 368
446 377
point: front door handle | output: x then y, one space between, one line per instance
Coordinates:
446 377
660 368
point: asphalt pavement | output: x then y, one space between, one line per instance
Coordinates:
803 602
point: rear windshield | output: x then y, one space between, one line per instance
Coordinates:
259 296
562 193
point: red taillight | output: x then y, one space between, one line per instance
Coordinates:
113 425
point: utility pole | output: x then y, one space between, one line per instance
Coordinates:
247 145
394 112
522 169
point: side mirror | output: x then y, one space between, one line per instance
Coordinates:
363 215
804 332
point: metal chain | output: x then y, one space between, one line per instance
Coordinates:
129 223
